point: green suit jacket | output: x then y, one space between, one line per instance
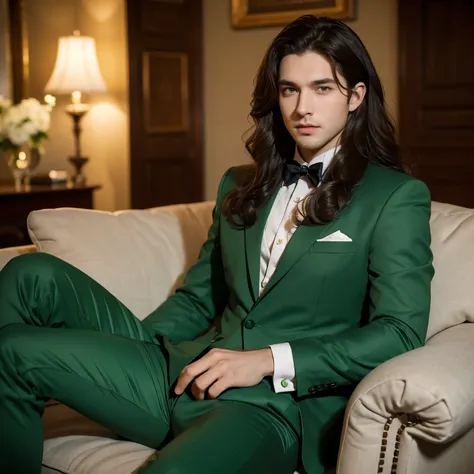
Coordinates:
344 307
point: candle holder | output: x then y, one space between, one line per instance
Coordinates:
22 162
77 110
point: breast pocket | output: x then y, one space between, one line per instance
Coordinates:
333 247
333 259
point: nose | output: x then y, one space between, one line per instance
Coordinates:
304 105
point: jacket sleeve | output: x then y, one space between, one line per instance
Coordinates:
400 273
191 309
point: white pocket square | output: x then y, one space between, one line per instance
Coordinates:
337 236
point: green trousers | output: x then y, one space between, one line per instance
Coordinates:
64 337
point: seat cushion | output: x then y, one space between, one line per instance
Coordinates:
93 455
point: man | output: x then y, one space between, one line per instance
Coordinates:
317 269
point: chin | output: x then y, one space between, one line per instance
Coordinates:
310 144
314 144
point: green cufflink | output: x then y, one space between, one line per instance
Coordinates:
284 383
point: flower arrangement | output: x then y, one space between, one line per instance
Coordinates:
24 124
22 129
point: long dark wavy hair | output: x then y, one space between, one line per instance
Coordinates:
367 137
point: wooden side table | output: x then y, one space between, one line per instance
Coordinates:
58 419
16 205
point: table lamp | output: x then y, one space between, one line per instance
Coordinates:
76 72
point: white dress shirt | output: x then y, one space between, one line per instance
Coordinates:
279 228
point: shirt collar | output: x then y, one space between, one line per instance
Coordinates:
325 158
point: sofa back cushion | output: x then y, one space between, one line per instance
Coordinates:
140 256
452 291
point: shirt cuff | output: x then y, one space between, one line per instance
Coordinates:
284 368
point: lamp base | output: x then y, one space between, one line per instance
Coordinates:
78 179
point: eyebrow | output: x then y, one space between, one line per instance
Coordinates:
318 82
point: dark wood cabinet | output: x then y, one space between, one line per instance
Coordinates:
16 205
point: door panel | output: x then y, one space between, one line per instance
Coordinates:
436 40
166 101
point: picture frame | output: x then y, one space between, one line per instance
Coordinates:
261 13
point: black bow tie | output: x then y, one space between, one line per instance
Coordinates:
293 172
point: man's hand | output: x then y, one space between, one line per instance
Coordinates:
221 369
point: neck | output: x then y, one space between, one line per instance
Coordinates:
309 154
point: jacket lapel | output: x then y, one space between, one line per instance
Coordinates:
302 239
300 242
253 243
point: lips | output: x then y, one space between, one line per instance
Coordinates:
306 128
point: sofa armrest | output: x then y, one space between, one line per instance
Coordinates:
432 386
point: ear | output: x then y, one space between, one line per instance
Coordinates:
357 96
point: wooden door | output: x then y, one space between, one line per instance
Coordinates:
166 101
436 115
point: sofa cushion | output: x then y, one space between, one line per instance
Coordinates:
94 455
140 256
452 296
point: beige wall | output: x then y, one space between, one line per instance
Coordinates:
231 59
105 137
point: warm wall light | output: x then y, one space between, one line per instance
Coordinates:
76 72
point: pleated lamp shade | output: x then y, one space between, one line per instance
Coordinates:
76 68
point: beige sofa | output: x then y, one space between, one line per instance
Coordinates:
422 400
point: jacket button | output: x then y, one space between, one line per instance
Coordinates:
312 389
249 324
333 385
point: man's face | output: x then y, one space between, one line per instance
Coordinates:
314 109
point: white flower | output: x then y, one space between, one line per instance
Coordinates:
21 135
20 122
50 101
29 109
14 117
30 106
25 110
42 118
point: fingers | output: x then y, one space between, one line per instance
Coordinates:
220 386
215 381
202 383
191 371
